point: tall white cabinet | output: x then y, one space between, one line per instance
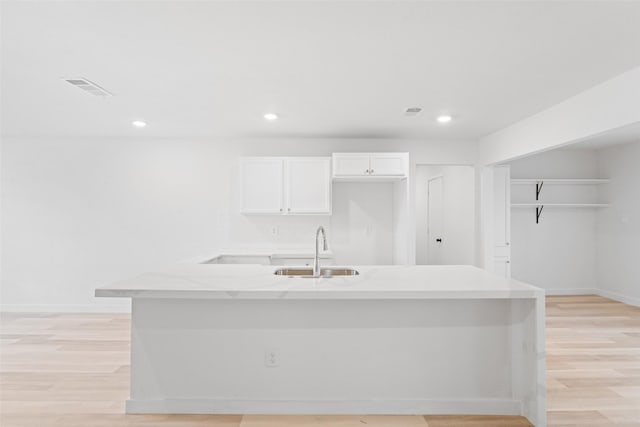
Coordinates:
285 185
502 220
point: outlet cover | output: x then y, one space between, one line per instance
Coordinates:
271 358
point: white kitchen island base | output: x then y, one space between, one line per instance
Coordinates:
394 351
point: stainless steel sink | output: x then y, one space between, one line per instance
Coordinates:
308 272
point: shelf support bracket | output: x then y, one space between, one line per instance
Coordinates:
539 189
538 213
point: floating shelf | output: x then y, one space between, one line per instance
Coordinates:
540 206
560 205
567 181
540 182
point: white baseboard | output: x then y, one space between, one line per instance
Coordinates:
600 292
572 291
620 298
67 308
328 407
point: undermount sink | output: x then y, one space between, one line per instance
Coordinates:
308 272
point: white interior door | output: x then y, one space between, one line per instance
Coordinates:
435 221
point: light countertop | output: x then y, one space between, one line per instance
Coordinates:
248 281
259 252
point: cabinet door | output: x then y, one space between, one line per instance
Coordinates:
502 267
348 164
262 184
308 185
391 164
502 210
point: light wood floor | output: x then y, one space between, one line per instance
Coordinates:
72 370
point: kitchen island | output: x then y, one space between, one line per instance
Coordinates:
392 340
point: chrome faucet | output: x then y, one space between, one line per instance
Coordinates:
316 260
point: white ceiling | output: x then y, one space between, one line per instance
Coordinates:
329 69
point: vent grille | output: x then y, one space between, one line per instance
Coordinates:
412 111
88 86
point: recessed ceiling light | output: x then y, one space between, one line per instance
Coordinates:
138 123
444 119
271 116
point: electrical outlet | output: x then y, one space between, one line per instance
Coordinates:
271 358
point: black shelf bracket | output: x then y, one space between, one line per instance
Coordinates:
538 213
539 189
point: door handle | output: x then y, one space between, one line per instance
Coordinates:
439 240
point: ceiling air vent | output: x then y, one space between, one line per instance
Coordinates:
412 111
88 86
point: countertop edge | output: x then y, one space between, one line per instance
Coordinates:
318 295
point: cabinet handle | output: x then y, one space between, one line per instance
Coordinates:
367 171
507 243
289 209
371 171
508 262
280 209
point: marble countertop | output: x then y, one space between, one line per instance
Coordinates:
248 281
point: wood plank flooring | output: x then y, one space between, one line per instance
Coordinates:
593 362
72 370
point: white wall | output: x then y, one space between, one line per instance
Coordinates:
360 230
618 231
80 213
403 238
459 213
362 223
559 253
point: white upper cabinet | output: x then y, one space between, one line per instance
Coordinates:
308 185
370 166
388 164
286 185
262 180
348 164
